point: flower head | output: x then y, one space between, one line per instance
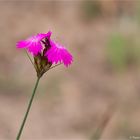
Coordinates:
45 52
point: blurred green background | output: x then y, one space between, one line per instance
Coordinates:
98 96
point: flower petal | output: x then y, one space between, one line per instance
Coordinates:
58 53
32 44
22 44
35 48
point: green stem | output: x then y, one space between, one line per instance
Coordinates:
28 109
30 59
55 66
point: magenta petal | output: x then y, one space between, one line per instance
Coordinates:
58 53
32 44
22 44
35 48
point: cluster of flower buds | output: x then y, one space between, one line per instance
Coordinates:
46 52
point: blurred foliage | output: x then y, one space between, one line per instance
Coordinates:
137 13
91 9
123 52
116 49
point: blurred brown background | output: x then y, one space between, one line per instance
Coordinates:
98 96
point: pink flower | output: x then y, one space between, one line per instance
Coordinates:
33 43
43 45
57 53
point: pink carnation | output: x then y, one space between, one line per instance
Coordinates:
54 52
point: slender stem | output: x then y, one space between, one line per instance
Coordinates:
28 109
30 59
55 66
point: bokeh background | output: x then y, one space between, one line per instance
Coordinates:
98 96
